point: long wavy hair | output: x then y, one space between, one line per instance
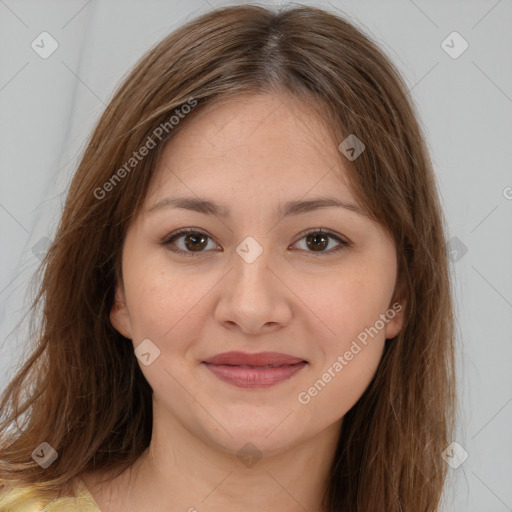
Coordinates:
81 389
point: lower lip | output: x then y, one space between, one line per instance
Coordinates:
254 377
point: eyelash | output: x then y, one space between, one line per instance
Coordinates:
169 239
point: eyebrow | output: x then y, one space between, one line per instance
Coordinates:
202 205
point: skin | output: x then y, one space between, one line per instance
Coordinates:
251 154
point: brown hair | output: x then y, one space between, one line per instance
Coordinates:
85 393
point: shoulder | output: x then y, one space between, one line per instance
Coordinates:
31 499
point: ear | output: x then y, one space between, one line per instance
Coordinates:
396 314
119 314
397 309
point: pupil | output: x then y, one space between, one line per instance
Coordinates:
195 239
315 241
317 238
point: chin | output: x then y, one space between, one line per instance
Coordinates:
254 440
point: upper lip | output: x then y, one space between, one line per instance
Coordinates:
258 359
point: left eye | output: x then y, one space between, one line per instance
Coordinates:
196 241
318 239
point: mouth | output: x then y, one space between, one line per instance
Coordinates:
260 370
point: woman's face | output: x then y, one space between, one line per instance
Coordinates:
252 280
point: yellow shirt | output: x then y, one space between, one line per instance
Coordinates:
27 500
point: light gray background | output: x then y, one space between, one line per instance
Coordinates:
48 108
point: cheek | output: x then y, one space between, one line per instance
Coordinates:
341 381
351 344
165 303
346 306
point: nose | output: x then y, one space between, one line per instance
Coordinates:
254 297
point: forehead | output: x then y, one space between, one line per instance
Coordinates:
256 141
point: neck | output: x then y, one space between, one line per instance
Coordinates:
181 471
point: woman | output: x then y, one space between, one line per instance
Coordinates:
247 303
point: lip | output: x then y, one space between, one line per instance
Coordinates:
257 359
252 370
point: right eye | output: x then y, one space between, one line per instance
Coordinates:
194 241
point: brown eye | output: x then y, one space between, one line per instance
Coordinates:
317 241
196 242
193 241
